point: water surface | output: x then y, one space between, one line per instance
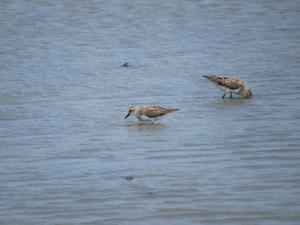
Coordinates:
65 148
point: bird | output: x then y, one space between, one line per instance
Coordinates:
231 85
148 112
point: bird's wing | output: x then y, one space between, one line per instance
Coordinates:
156 111
228 82
231 83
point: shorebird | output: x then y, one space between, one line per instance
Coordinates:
148 112
231 85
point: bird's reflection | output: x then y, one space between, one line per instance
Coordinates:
138 127
231 102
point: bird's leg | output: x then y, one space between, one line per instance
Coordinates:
224 95
230 94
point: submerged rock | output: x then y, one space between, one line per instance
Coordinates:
129 178
126 64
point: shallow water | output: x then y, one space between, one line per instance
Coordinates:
66 148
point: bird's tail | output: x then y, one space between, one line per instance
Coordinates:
173 110
212 78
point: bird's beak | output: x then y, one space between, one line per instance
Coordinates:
127 115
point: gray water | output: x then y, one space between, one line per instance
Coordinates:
65 148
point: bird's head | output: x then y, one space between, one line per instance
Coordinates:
132 110
247 93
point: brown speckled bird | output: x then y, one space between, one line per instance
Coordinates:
148 112
231 85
